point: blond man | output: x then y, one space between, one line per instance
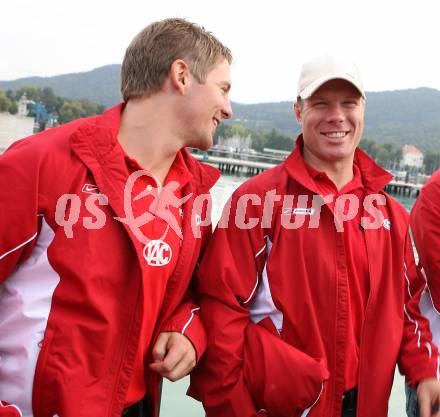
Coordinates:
98 244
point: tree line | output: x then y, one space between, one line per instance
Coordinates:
387 154
64 109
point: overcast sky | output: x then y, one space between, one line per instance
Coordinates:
394 43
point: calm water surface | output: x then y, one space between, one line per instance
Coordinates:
174 401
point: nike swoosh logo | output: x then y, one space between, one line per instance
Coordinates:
90 188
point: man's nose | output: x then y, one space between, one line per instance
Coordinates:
227 109
336 114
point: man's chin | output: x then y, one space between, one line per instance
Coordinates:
203 145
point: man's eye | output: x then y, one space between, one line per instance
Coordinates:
320 104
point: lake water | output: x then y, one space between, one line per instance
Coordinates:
174 401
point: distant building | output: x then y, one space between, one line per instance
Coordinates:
236 143
411 157
22 106
14 127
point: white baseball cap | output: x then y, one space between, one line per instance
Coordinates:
318 71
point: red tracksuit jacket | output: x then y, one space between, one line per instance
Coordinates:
425 225
296 278
71 307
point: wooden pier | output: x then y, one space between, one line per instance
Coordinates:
403 188
235 166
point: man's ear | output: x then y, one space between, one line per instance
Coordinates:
297 112
179 75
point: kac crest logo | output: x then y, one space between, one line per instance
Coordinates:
157 253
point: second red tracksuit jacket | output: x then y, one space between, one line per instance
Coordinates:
288 266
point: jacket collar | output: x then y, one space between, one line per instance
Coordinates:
374 177
97 139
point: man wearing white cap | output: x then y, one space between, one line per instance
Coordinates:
309 290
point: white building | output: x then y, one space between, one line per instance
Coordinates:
14 127
236 143
411 157
22 106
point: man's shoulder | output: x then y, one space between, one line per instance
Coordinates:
273 179
48 152
397 212
49 140
435 178
205 176
431 189
396 204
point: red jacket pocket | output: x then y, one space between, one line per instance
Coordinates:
281 379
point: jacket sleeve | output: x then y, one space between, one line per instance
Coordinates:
418 356
425 225
19 220
186 319
227 280
9 410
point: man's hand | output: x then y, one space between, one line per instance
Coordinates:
174 356
428 395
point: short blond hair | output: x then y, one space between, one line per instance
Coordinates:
149 56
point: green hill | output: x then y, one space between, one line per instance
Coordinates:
100 84
401 117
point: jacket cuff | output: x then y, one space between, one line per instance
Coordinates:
187 322
420 373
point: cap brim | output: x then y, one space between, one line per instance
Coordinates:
312 87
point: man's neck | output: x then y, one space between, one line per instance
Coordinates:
340 172
146 135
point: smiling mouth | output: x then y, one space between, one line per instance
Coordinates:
335 135
216 121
